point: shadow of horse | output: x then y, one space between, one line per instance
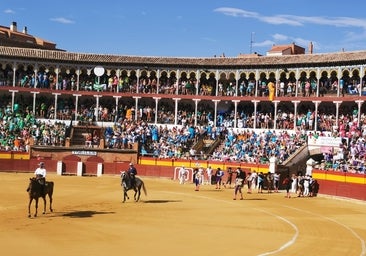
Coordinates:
126 185
37 190
83 214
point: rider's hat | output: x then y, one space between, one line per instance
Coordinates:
131 163
41 164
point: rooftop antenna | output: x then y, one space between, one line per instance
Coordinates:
251 42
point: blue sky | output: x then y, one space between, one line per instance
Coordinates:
190 28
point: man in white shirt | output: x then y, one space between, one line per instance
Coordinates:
40 174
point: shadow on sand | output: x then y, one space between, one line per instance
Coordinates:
161 201
83 214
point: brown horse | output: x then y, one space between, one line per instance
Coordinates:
35 191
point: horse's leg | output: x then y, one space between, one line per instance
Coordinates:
125 196
44 204
137 194
29 207
50 197
35 214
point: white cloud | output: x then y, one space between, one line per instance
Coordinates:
62 20
294 20
209 39
280 37
9 11
237 12
279 20
266 43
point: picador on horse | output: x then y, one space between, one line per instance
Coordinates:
40 174
132 172
129 181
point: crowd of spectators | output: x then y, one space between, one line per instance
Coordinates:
20 128
205 85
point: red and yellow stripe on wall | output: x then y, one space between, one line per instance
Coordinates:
341 184
14 155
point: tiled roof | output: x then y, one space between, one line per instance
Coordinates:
327 59
280 48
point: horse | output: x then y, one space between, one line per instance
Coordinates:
35 191
126 185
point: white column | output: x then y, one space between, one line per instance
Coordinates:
361 80
296 102
34 102
14 74
197 81
217 84
235 113
116 107
256 82
136 107
215 112
59 168
195 110
337 110
176 110
35 77
99 169
12 98
317 82
275 114
339 76
177 89
96 110
236 84
138 80
118 74
359 103
56 98
317 102
79 170
78 79
76 105
297 82
277 82
156 109
255 102
157 80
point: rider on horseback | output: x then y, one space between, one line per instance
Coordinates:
132 172
40 174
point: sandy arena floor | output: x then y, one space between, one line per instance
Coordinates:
89 218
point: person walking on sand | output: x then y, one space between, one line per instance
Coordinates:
209 175
219 174
239 183
287 182
197 178
229 177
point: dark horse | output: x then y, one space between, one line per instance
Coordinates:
35 191
126 185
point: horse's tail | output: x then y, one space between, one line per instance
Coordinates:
144 188
50 187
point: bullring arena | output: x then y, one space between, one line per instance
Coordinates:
88 115
89 218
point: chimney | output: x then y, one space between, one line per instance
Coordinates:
311 48
13 26
25 30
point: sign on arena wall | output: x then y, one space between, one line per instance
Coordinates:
84 152
324 141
